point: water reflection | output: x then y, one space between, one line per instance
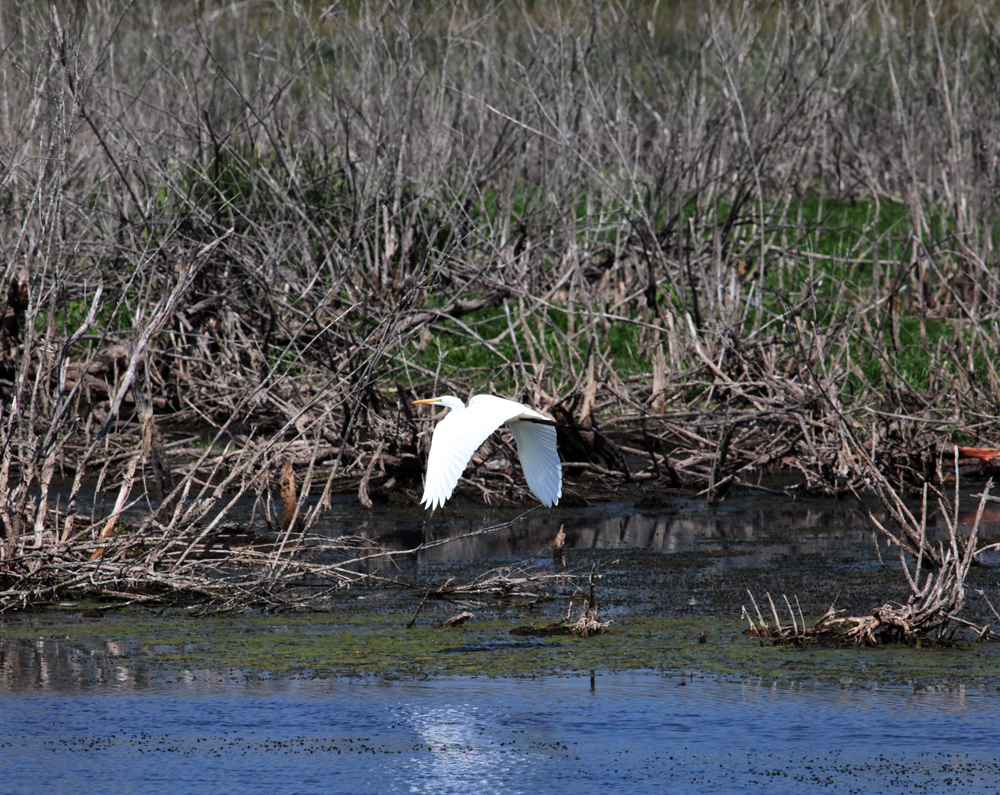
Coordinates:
71 667
466 752
773 526
688 526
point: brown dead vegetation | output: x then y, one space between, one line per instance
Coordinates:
238 241
936 577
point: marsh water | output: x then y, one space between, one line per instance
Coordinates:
347 700
635 732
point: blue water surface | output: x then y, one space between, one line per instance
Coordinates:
623 733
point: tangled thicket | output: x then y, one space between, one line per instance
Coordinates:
726 235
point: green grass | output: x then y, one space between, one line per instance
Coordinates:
848 236
463 356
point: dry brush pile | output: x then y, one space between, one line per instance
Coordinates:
238 241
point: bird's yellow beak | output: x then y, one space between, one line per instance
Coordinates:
428 400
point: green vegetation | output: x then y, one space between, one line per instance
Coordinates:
364 643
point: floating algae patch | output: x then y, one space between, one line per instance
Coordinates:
321 645
130 643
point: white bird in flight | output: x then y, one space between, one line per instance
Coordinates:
465 428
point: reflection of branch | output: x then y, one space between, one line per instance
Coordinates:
389 553
517 580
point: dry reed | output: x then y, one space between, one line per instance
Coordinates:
727 237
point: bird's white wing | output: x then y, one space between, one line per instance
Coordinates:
456 438
536 447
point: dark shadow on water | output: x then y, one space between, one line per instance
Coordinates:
751 527
763 527
686 526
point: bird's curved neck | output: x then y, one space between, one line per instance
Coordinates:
452 402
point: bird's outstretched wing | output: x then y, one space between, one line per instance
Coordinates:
536 447
456 438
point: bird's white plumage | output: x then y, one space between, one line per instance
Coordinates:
465 428
536 447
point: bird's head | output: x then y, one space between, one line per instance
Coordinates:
450 401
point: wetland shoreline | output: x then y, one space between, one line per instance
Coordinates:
663 578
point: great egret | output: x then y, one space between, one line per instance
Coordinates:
465 428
